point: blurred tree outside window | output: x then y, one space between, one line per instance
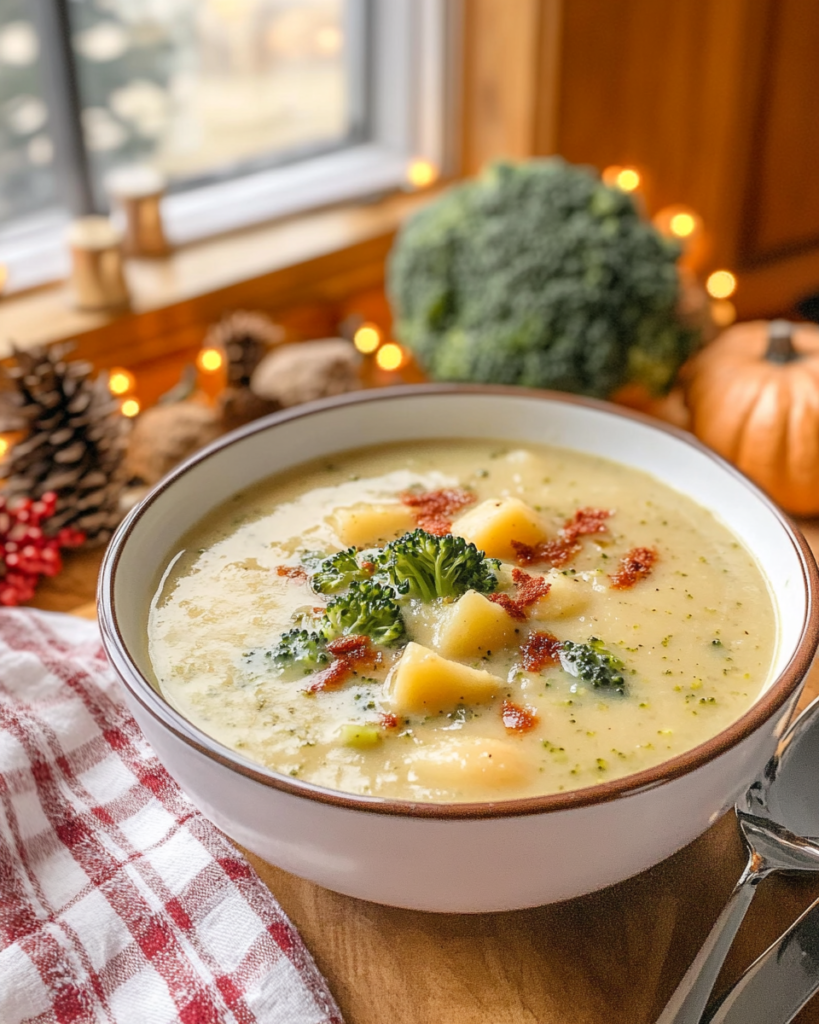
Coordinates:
27 177
200 89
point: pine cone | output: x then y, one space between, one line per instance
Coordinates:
245 338
75 440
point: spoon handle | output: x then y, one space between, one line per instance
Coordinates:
688 1002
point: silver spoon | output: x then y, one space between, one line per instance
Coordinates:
779 821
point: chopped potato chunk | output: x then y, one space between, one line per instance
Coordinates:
494 524
471 764
424 681
567 596
365 526
473 627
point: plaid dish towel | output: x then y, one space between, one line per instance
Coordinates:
119 902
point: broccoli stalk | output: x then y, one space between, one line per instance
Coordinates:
422 565
335 573
539 274
367 609
593 663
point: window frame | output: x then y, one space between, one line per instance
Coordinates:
403 106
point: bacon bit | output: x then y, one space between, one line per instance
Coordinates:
331 677
529 588
293 572
433 510
586 521
389 720
349 651
517 718
351 648
635 565
540 650
565 546
509 605
368 567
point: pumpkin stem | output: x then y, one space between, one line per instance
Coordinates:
780 342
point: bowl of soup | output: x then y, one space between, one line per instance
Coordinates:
460 648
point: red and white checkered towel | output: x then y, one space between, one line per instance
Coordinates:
119 902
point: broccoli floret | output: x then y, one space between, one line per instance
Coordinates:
337 572
300 648
366 609
539 274
593 663
422 565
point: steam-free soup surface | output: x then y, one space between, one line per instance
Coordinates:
695 632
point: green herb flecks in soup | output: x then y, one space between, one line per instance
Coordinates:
461 621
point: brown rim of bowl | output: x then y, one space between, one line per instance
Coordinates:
775 697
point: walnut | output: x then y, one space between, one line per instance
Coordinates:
292 374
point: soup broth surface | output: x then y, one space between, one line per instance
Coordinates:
695 633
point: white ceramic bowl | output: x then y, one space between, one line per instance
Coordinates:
458 857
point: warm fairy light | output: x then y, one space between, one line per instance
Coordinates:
130 407
682 225
329 39
721 284
367 338
421 173
4 275
628 179
723 312
390 356
4 446
120 381
209 360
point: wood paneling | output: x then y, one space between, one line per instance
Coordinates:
782 202
511 55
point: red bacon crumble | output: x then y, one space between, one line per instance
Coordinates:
368 567
517 718
540 650
349 651
389 720
565 546
433 510
635 565
529 589
509 605
292 572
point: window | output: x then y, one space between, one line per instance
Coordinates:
251 108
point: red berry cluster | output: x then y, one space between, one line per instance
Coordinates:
26 552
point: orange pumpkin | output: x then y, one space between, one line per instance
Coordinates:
754 398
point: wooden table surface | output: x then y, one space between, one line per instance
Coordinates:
612 957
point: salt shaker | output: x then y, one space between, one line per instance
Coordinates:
97 281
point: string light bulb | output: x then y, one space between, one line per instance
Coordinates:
120 381
682 225
723 312
422 173
627 179
5 444
367 338
209 360
130 408
721 284
390 356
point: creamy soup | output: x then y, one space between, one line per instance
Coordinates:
461 621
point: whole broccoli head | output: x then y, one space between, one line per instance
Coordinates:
538 274
593 663
367 609
422 565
